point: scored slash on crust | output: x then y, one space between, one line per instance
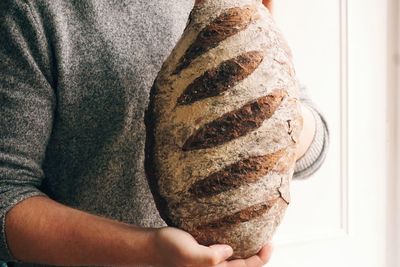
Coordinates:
240 173
224 26
236 123
241 216
218 80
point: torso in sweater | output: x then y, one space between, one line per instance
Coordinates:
104 57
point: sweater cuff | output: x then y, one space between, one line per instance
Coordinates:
312 160
9 199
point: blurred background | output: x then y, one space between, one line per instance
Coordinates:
348 214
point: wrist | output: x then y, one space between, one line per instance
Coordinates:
139 246
153 248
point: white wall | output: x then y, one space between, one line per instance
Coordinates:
393 190
345 215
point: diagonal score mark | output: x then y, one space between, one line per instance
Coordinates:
224 26
220 79
236 123
241 216
243 172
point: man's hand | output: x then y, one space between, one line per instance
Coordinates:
40 230
176 248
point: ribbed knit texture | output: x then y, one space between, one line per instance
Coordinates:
74 82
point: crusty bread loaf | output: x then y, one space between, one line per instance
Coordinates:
222 127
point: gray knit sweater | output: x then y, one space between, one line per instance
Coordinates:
74 82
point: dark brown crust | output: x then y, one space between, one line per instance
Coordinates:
240 173
236 123
242 216
229 23
150 166
218 80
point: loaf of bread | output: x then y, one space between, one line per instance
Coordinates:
222 127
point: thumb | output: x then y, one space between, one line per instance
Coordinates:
213 255
221 253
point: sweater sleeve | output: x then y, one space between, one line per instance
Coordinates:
312 160
26 108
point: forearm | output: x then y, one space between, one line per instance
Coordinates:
41 230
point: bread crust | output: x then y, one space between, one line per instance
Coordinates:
222 127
